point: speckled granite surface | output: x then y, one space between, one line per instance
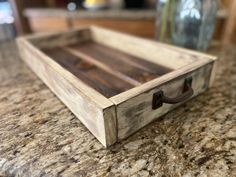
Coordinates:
39 136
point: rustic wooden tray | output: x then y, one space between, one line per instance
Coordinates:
115 83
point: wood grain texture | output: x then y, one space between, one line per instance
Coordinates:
149 50
213 72
113 105
180 60
123 14
105 69
111 71
132 69
97 78
135 113
142 28
229 34
59 39
48 24
136 22
95 111
118 99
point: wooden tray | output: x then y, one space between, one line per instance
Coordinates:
115 83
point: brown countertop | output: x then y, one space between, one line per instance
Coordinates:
147 14
85 14
39 136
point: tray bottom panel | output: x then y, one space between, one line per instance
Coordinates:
105 69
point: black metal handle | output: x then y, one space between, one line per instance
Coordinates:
159 98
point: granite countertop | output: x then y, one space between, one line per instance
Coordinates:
146 14
39 136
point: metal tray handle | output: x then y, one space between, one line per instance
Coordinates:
159 98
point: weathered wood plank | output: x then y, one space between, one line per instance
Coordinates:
133 67
149 50
103 66
102 81
122 97
137 112
59 39
95 111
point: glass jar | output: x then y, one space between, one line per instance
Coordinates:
194 23
187 23
164 18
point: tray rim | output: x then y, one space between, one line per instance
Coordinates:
92 94
123 96
177 72
101 121
155 83
108 129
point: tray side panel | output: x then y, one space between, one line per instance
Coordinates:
161 54
52 40
213 72
137 112
101 121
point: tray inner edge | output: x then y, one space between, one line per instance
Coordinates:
107 70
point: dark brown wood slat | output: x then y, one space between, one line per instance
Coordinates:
103 82
138 69
134 61
103 66
117 65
